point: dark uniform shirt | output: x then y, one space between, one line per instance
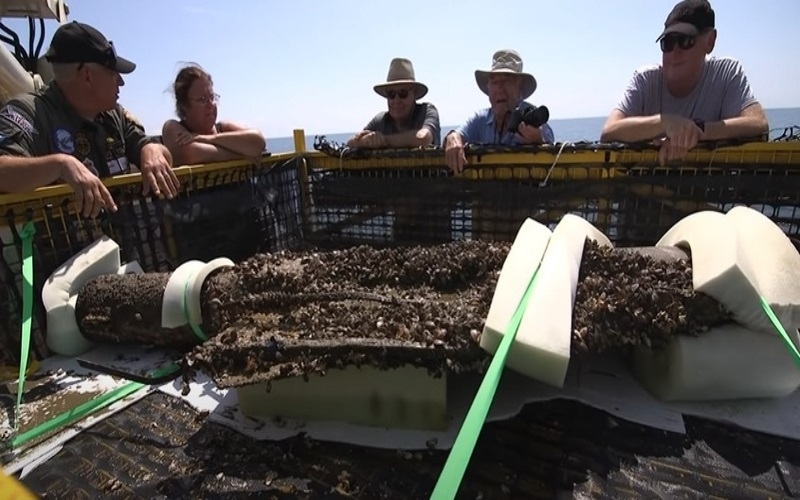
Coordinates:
425 115
43 123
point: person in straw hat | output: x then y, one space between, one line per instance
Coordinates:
407 123
507 87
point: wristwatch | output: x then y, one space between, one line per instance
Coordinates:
701 124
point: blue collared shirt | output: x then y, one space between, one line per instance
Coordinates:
480 129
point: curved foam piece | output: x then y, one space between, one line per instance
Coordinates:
720 268
726 362
60 293
524 256
774 269
196 285
541 349
172 305
736 258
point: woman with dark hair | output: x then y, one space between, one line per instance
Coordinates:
198 137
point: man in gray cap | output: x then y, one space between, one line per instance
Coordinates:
689 97
74 131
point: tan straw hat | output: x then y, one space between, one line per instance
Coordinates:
401 72
508 62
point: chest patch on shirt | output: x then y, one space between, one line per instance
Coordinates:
116 161
82 144
64 141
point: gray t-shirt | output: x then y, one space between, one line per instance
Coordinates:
722 92
425 115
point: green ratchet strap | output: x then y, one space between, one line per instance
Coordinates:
27 232
779 327
460 454
458 459
87 408
195 328
82 410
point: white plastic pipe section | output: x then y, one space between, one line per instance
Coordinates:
181 300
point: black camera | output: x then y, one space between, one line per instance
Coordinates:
531 115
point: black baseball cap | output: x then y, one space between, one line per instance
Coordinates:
80 43
689 17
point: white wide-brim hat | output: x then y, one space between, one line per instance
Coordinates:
506 62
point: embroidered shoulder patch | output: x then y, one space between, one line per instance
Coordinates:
16 117
129 117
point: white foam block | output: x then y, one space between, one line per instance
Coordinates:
173 312
736 257
60 293
727 362
541 349
522 260
132 267
774 269
404 397
719 269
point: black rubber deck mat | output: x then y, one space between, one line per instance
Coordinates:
162 448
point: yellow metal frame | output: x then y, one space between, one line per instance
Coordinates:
570 164
194 178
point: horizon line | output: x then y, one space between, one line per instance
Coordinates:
456 126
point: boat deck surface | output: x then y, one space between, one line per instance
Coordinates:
160 447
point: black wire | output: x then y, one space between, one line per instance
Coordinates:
7 40
31 61
41 39
19 50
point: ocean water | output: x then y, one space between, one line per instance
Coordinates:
571 130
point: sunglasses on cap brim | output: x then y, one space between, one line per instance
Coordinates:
109 57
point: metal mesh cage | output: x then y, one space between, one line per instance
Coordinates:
338 198
234 210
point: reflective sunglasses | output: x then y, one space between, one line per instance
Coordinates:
684 42
391 94
206 99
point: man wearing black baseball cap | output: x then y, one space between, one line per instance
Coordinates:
74 130
688 97
80 43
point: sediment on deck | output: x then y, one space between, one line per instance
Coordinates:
160 446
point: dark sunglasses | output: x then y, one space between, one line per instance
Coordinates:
684 42
391 94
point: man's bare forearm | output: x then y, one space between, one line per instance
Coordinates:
409 138
633 129
739 127
20 174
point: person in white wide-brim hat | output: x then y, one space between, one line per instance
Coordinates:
406 123
507 86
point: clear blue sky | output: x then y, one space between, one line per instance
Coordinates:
285 64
